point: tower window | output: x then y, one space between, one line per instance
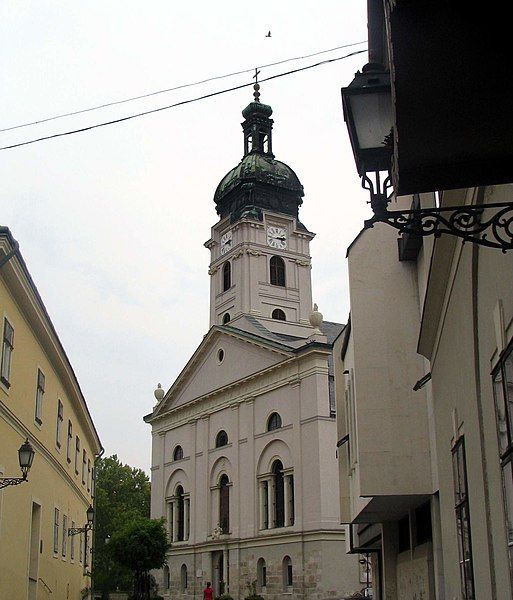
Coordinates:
221 439
278 314
178 453
274 422
279 494
227 276
277 271
226 318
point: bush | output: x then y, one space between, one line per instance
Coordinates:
225 597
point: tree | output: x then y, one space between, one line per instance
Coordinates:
122 494
140 545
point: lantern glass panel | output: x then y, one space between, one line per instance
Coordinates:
372 114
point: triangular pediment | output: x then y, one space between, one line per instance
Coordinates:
224 357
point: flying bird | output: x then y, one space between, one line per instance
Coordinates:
268 34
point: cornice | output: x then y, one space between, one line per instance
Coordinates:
210 403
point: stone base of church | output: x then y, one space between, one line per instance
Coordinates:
320 569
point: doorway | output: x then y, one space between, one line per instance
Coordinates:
33 561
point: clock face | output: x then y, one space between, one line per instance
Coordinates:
276 237
226 242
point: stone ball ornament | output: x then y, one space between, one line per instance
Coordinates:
159 393
316 318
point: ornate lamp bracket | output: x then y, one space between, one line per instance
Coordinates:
76 530
6 481
486 224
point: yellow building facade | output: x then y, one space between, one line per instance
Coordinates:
41 400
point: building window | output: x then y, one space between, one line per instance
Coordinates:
277 271
180 509
183 578
276 492
227 276
77 453
461 507
423 529
7 348
72 543
221 439
226 318
39 396
178 453
278 314
287 573
64 534
69 442
403 534
279 494
88 474
261 574
55 530
273 422
224 504
84 466
167 578
503 391
60 419
81 549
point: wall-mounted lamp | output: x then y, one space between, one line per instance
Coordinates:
369 115
25 457
87 526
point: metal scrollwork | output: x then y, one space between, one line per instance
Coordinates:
487 225
6 481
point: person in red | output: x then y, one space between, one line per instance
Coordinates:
208 592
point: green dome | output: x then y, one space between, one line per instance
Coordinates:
261 168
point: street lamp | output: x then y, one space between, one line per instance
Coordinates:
87 526
25 458
369 115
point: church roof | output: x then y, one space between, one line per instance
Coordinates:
259 168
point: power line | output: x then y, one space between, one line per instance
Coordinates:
155 110
172 89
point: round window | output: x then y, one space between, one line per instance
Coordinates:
220 355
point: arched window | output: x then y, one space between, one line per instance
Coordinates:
227 276
261 574
221 439
224 504
278 314
273 422
183 578
167 579
287 573
279 494
277 269
226 318
180 506
178 453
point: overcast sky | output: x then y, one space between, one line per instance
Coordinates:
112 222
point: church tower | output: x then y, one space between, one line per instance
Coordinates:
260 255
243 464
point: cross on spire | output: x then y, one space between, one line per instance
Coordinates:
256 87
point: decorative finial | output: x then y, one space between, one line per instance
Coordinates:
316 319
159 393
256 87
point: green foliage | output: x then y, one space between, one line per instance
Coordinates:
122 494
140 545
224 597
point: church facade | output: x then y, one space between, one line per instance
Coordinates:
243 454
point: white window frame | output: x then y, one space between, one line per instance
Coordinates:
40 392
60 421
7 350
56 526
